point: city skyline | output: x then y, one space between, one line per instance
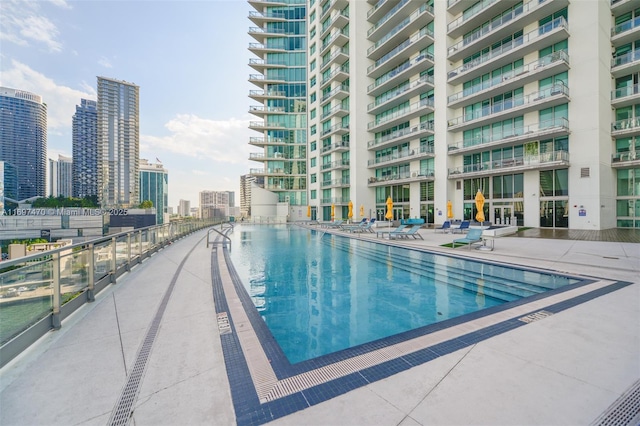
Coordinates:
57 50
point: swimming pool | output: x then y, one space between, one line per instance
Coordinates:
321 293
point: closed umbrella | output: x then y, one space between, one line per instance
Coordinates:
479 206
449 210
350 214
361 211
308 211
389 214
333 211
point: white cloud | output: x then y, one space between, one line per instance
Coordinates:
105 62
23 23
61 3
220 141
61 100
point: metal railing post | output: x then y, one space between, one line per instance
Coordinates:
114 264
55 271
128 252
91 276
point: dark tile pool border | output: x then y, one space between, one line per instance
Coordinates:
249 410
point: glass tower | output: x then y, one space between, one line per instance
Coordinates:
85 149
118 143
23 140
154 186
281 77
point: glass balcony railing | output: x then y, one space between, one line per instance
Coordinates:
477 8
632 123
425 126
423 32
341 88
494 137
507 104
424 173
554 57
561 157
386 17
335 165
626 58
406 21
623 92
559 22
404 154
416 106
392 95
397 70
335 146
625 26
620 157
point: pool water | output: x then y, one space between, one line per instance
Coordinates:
320 293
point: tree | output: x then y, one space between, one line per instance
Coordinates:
146 204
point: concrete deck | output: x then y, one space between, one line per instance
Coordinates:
565 369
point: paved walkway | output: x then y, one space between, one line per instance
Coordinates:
564 369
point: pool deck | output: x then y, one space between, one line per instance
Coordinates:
567 368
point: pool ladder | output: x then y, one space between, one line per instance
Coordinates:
226 228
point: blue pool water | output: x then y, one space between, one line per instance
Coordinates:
323 293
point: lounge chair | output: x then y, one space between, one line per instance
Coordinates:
335 224
412 232
446 227
464 227
474 236
390 231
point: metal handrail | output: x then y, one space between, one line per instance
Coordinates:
229 226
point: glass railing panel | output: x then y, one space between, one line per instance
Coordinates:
623 92
477 8
102 255
122 251
627 58
626 26
74 273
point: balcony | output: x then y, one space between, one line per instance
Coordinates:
261 95
381 8
338 74
261 34
338 21
545 35
626 127
413 66
335 165
259 4
544 161
625 159
260 141
332 5
261 110
402 157
334 183
400 53
406 177
555 95
544 67
519 135
401 95
386 22
260 64
401 136
403 29
339 57
628 63
339 38
260 19
618 7
422 107
260 49
335 200
261 125
260 80
626 32
276 156
336 111
340 92
499 28
625 96
337 129
335 147
481 12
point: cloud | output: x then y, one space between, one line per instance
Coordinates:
61 100
23 23
219 141
105 62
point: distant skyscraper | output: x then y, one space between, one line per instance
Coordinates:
154 186
215 203
85 149
184 208
118 142
23 139
60 177
245 194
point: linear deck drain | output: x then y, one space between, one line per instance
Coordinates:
535 316
625 411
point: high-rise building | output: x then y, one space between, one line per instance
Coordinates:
60 177
184 208
154 186
85 149
23 140
437 100
245 194
215 203
281 99
118 142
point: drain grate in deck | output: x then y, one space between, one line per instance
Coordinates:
535 316
625 411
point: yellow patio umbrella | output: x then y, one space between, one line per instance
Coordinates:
350 214
361 211
449 210
308 211
479 206
333 211
389 214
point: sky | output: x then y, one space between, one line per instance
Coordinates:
190 59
